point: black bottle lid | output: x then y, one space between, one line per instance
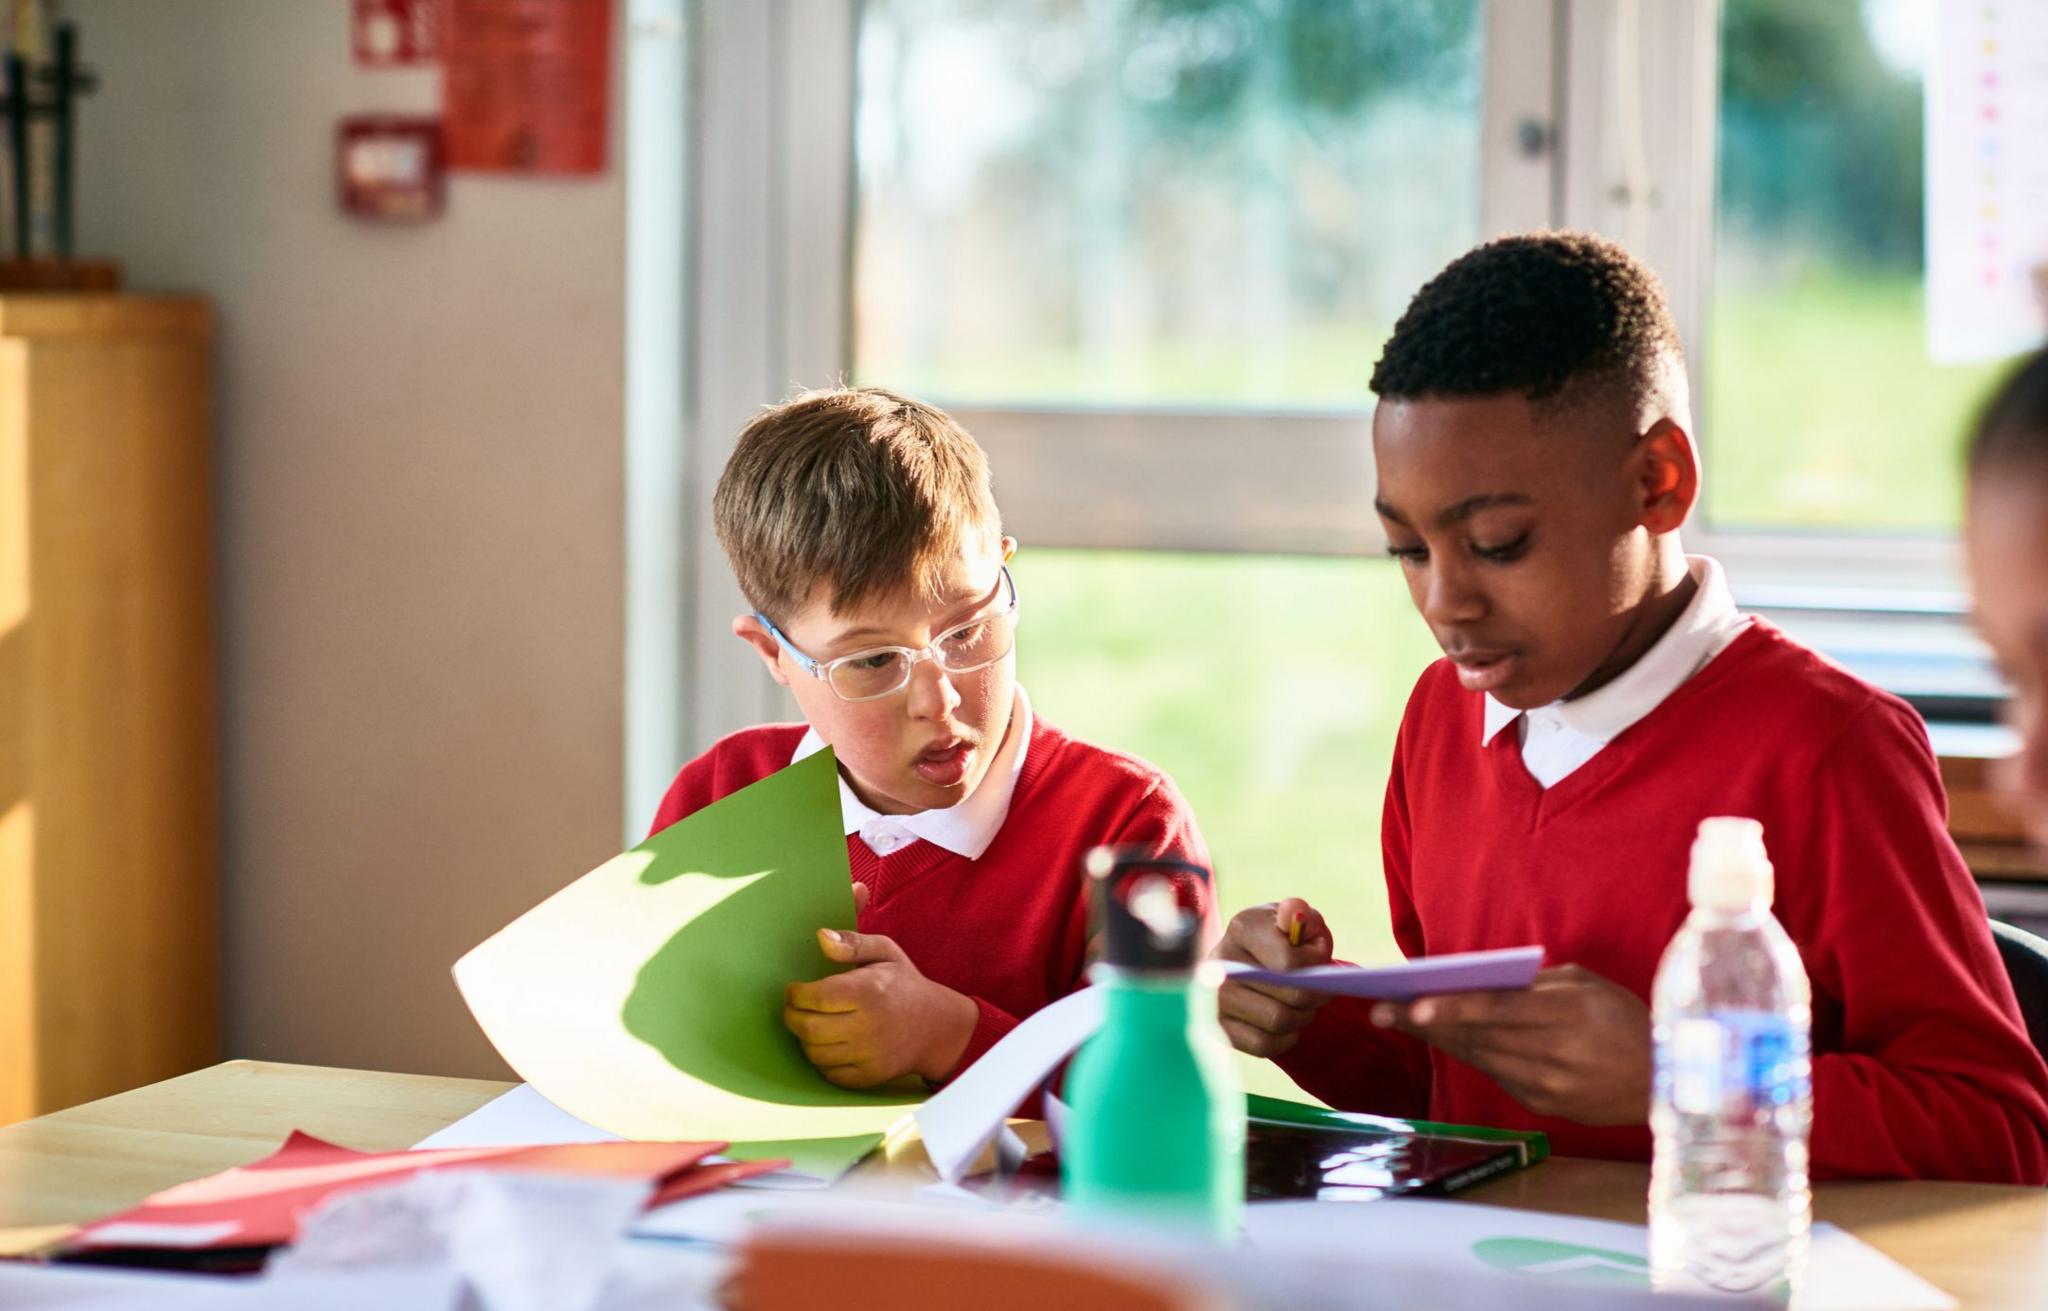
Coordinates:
1148 908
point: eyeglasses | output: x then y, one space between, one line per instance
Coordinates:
884 670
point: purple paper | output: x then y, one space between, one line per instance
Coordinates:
1470 971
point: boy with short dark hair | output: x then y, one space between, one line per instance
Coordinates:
1600 695
862 530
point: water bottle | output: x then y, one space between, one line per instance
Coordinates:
1155 1126
1731 1015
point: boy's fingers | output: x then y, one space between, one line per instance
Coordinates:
1255 1041
1300 999
849 1076
1313 936
1259 942
860 897
1473 1009
849 948
816 1028
1262 1011
829 1055
820 995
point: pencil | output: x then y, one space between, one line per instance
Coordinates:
1294 930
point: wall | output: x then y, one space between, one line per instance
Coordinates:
420 488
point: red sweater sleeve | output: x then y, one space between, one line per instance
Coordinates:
1341 1057
1928 1071
733 762
1159 823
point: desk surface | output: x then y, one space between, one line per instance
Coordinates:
1986 1244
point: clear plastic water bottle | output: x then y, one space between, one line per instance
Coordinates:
1732 1016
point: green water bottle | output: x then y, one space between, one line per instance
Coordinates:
1155 1121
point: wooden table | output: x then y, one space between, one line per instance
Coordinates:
1986 1244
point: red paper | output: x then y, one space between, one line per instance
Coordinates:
526 85
260 1205
395 33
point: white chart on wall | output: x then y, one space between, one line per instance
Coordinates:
1987 181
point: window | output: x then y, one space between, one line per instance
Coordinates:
1278 725
1148 250
1155 202
1822 407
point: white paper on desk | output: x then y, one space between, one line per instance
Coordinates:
725 1217
520 1118
1545 1249
959 1120
524 1118
521 1241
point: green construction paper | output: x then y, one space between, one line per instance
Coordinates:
1534 1144
827 1158
646 997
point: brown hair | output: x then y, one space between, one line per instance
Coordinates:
2013 425
854 487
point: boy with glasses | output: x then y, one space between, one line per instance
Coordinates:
862 530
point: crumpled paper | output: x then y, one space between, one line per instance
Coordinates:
520 1241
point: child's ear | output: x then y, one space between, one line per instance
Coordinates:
1009 548
1667 476
748 629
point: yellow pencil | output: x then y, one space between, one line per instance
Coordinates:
1294 930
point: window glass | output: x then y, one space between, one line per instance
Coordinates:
1155 201
1822 408
1269 687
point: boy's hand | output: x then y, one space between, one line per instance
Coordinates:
1573 1045
880 1021
1266 1019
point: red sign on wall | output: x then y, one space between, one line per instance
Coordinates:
527 85
388 167
395 33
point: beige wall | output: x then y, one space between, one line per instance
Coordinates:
421 569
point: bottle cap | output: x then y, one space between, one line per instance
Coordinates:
1146 909
1730 868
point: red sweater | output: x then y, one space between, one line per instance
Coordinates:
1921 1069
1010 929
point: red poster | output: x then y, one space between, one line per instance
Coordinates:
395 33
526 85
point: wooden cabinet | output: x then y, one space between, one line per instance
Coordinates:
1991 837
108 909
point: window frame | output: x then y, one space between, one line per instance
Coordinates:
1618 99
1658 195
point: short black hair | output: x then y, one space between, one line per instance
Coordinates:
1534 314
2014 422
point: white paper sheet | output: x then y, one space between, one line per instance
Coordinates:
961 1118
1550 1249
520 1118
520 1241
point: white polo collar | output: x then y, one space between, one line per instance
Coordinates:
965 829
1708 624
